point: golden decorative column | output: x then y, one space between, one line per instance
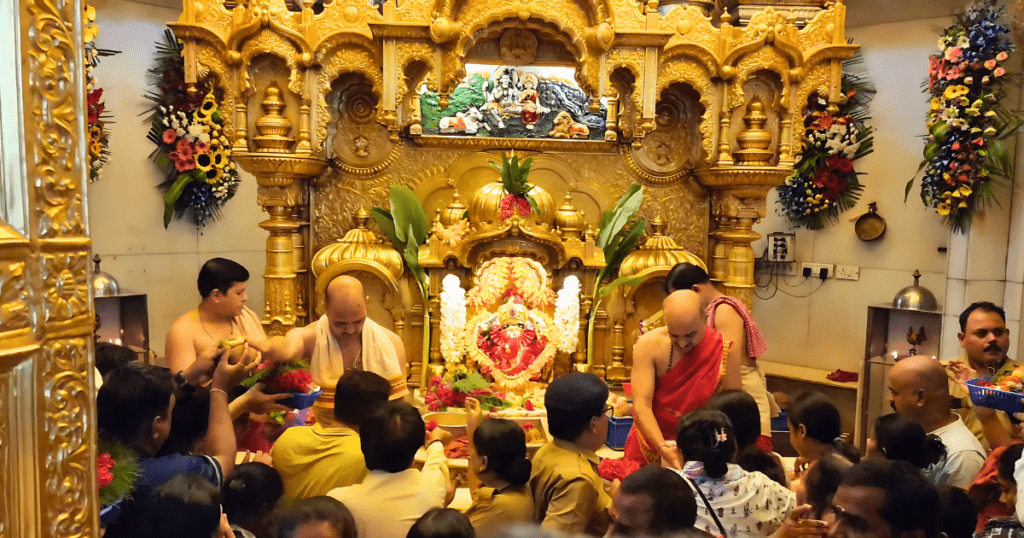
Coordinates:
48 480
281 174
738 192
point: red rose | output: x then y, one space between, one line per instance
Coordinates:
105 477
527 426
528 405
104 461
841 164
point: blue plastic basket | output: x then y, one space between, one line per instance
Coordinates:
300 401
618 431
993 398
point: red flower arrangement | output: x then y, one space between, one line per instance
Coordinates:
104 465
280 377
453 389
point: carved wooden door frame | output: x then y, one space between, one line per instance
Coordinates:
47 416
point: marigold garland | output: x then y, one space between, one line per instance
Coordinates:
966 122
824 182
193 150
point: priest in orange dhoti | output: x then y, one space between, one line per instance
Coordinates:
342 339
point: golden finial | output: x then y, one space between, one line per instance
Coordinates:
273 127
754 140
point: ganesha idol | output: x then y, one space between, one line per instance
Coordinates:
503 349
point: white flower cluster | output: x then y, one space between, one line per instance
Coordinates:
453 319
567 315
184 127
839 139
227 185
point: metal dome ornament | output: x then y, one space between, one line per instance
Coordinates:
916 297
103 284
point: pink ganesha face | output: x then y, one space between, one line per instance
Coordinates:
512 344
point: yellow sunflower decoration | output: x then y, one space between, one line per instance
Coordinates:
214 175
220 157
206 110
204 162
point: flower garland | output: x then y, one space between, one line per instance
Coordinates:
453 319
98 131
824 182
521 277
193 150
567 315
966 122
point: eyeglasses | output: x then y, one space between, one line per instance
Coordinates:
608 409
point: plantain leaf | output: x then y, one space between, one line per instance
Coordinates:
625 210
533 204
626 245
409 215
172 196
621 281
910 185
411 254
386 223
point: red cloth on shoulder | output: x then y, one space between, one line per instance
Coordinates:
984 491
687 386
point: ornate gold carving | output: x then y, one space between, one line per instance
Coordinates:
14 306
656 256
340 61
754 140
70 460
691 73
65 278
274 128
267 42
518 46
360 245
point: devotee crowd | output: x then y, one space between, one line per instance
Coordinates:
698 462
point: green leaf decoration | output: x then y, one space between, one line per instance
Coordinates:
125 470
626 245
172 196
471 382
910 185
386 223
621 281
533 204
409 215
625 210
411 254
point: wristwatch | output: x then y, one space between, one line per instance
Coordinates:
183 384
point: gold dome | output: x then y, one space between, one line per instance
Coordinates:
658 252
451 215
486 205
568 219
361 244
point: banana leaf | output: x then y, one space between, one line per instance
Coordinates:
409 216
411 254
386 223
624 211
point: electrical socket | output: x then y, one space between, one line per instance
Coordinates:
847 272
781 247
815 270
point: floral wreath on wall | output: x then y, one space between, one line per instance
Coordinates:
98 131
966 122
193 150
824 182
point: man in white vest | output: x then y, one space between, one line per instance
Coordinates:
342 339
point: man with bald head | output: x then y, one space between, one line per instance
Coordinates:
676 369
919 390
342 339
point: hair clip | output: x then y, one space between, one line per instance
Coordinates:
720 437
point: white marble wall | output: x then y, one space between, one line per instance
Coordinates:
125 207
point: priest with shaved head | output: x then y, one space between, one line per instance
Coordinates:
676 369
919 390
342 339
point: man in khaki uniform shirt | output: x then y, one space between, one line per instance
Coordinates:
985 341
568 494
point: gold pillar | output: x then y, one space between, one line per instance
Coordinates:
616 373
48 484
281 175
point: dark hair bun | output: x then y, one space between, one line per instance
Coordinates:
518 471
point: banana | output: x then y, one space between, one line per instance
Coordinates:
236 345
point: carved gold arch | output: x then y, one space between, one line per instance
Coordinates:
333 64
600 10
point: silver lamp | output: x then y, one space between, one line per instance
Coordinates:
915 297
103 284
